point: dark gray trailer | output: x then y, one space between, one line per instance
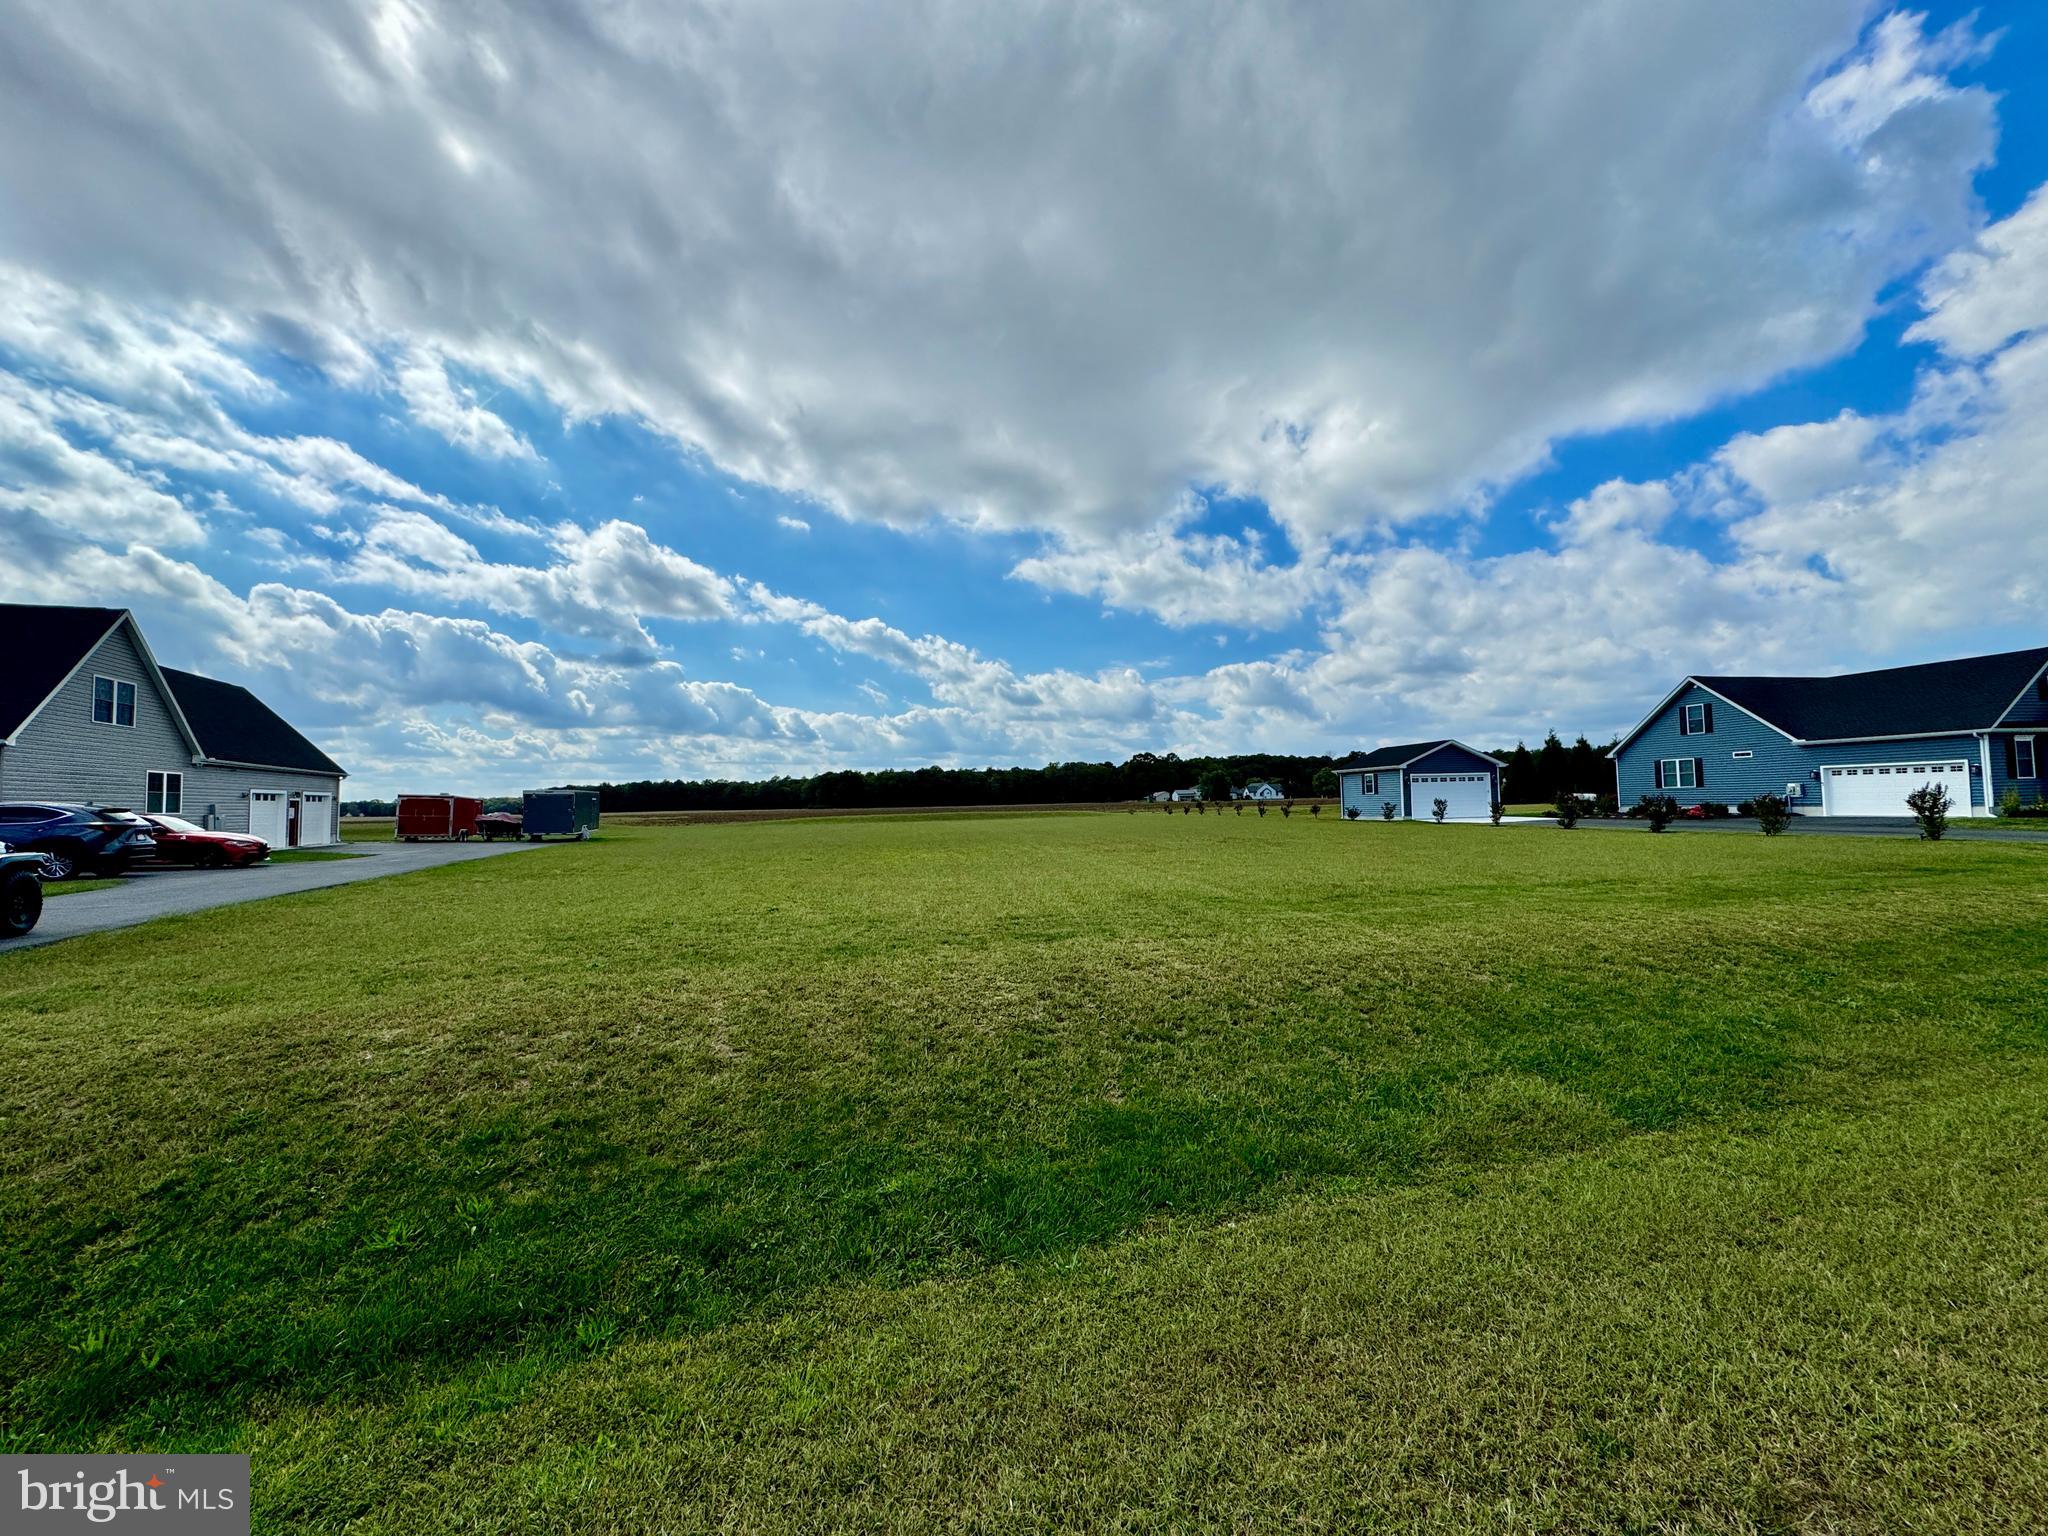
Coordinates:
559 813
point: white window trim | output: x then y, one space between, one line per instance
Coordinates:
2033 756
1744 752
1685 725
92 701
164 806
1688 765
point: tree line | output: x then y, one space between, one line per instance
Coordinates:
1537 776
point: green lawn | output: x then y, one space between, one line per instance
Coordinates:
78 887
1090 1171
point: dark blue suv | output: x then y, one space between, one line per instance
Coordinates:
75 838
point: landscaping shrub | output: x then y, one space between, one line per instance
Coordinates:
1657 810
1315 810
1771 813
1607 807
1494 809
1438 808
1930 805
1715 810
1387 810
1568 808
1351 813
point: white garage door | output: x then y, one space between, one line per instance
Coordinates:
266 816
316 820
1880 789
1470 795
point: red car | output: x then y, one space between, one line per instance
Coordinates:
180 842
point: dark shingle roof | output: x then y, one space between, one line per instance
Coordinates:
1966 695
232 724
1390 757
41 645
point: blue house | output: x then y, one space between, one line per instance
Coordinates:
1412 777
1854 745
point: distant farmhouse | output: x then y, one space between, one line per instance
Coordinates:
1853 745
1260 789
1414 776
88 717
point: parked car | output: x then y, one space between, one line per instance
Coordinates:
21 892
179 841
75 838
493 825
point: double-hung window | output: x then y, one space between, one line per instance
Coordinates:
166 793
1695 719
1368 783
113 701
2026 758
1678 773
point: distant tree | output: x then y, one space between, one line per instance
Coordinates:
1324 784
1215 784
1553 768
1519 784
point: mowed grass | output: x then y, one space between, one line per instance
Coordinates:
1134 1172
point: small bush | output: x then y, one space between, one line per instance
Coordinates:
1715 810
1607 806
1771 813
1745 807
1287 809
1930 805
1315 810
1568 808
1386 810
1351 813
1494 809
1262 810
1438 809
1657 810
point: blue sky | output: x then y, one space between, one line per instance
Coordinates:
673 392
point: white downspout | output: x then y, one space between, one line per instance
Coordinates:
1984 757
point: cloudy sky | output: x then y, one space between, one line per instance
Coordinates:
517 391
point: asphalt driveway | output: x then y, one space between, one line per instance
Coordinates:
162 892
1841 826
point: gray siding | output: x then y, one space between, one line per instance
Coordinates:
63 754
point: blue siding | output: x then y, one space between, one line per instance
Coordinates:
1452 759
2035 788
1775 760
2032 709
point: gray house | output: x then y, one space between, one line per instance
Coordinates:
87 715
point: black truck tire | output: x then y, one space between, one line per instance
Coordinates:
21 903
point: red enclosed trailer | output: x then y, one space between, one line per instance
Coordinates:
429 817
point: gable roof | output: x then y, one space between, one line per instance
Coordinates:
234 726
1403 755
1971 693
43 646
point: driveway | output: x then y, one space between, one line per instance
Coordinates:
162 892
1839 826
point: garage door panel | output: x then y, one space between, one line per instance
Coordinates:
1470 795
267 816
1880 789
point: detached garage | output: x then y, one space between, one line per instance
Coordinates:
1413 777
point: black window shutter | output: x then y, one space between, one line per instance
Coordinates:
2012 757
1685 719
1699 773
1657 774
1709 716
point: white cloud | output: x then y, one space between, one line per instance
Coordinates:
437 404
794 524
1365 262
